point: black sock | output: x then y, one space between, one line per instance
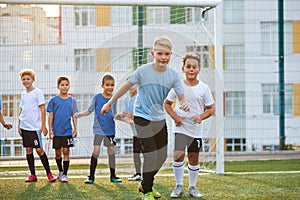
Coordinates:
30 161
59 164
94 160
112 163
45 163
66 167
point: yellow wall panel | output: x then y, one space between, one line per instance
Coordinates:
212 56
102 15
296 89
296 36
103 59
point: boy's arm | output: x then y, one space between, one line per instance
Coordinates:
50 122
169 109
82 114
43 113
183 103
19 129
117 95
4 124
208 112
74 119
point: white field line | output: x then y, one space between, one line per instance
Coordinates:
77 174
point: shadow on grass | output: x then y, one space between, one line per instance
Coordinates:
28 192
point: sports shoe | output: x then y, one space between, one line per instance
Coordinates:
89 181
59 176
154 191
64 178
193 192
51 178
115 179
148 196
177 192
31 178
135 177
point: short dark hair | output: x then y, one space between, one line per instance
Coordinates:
62 78
107 78
192 55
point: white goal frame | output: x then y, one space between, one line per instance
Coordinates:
219 86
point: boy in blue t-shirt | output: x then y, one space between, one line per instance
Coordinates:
62 109
104 128
154 81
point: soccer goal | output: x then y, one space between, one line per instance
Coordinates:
89 38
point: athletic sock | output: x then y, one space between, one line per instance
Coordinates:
66 167
193 174
45 163
94 160
59 164
178 169
30 161
112 164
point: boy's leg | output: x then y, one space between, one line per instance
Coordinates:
30 159
153 138
136 155
66 162
193 168
44 159
94 161
58 159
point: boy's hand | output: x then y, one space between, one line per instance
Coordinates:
7 126
44 130
51 134
77 115
74 133
197 119
185 107
105 108
178 121
20 132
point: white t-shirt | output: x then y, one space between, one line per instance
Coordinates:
30 117
197 97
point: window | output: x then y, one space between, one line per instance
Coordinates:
235 103
193 14
158 15
234 57
121 15
203 51
236 144
128 145
270 95
269 37
9 105
233 11
85 60
85 15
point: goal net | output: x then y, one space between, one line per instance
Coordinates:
88 39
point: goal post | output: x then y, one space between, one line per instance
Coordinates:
200 3
120 51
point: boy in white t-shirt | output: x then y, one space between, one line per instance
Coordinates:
32 122
187 125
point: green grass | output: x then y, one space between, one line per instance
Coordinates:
212 186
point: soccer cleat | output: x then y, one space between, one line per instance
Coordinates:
177 192
135 177
154 191
64 178
115 179
51 178
59 176
193 192
148 196
89 181
31 178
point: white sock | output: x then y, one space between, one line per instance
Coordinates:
193 174
178 169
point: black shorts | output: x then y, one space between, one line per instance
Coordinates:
63 141
182 141
32 139
108 140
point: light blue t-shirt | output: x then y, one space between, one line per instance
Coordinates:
153 88
63 110
128 106
103 124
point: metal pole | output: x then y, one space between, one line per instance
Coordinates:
140 35
281 75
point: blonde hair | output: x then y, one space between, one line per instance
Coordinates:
162 41
62 78
28 72
191 55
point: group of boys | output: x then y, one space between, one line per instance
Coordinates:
158 88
